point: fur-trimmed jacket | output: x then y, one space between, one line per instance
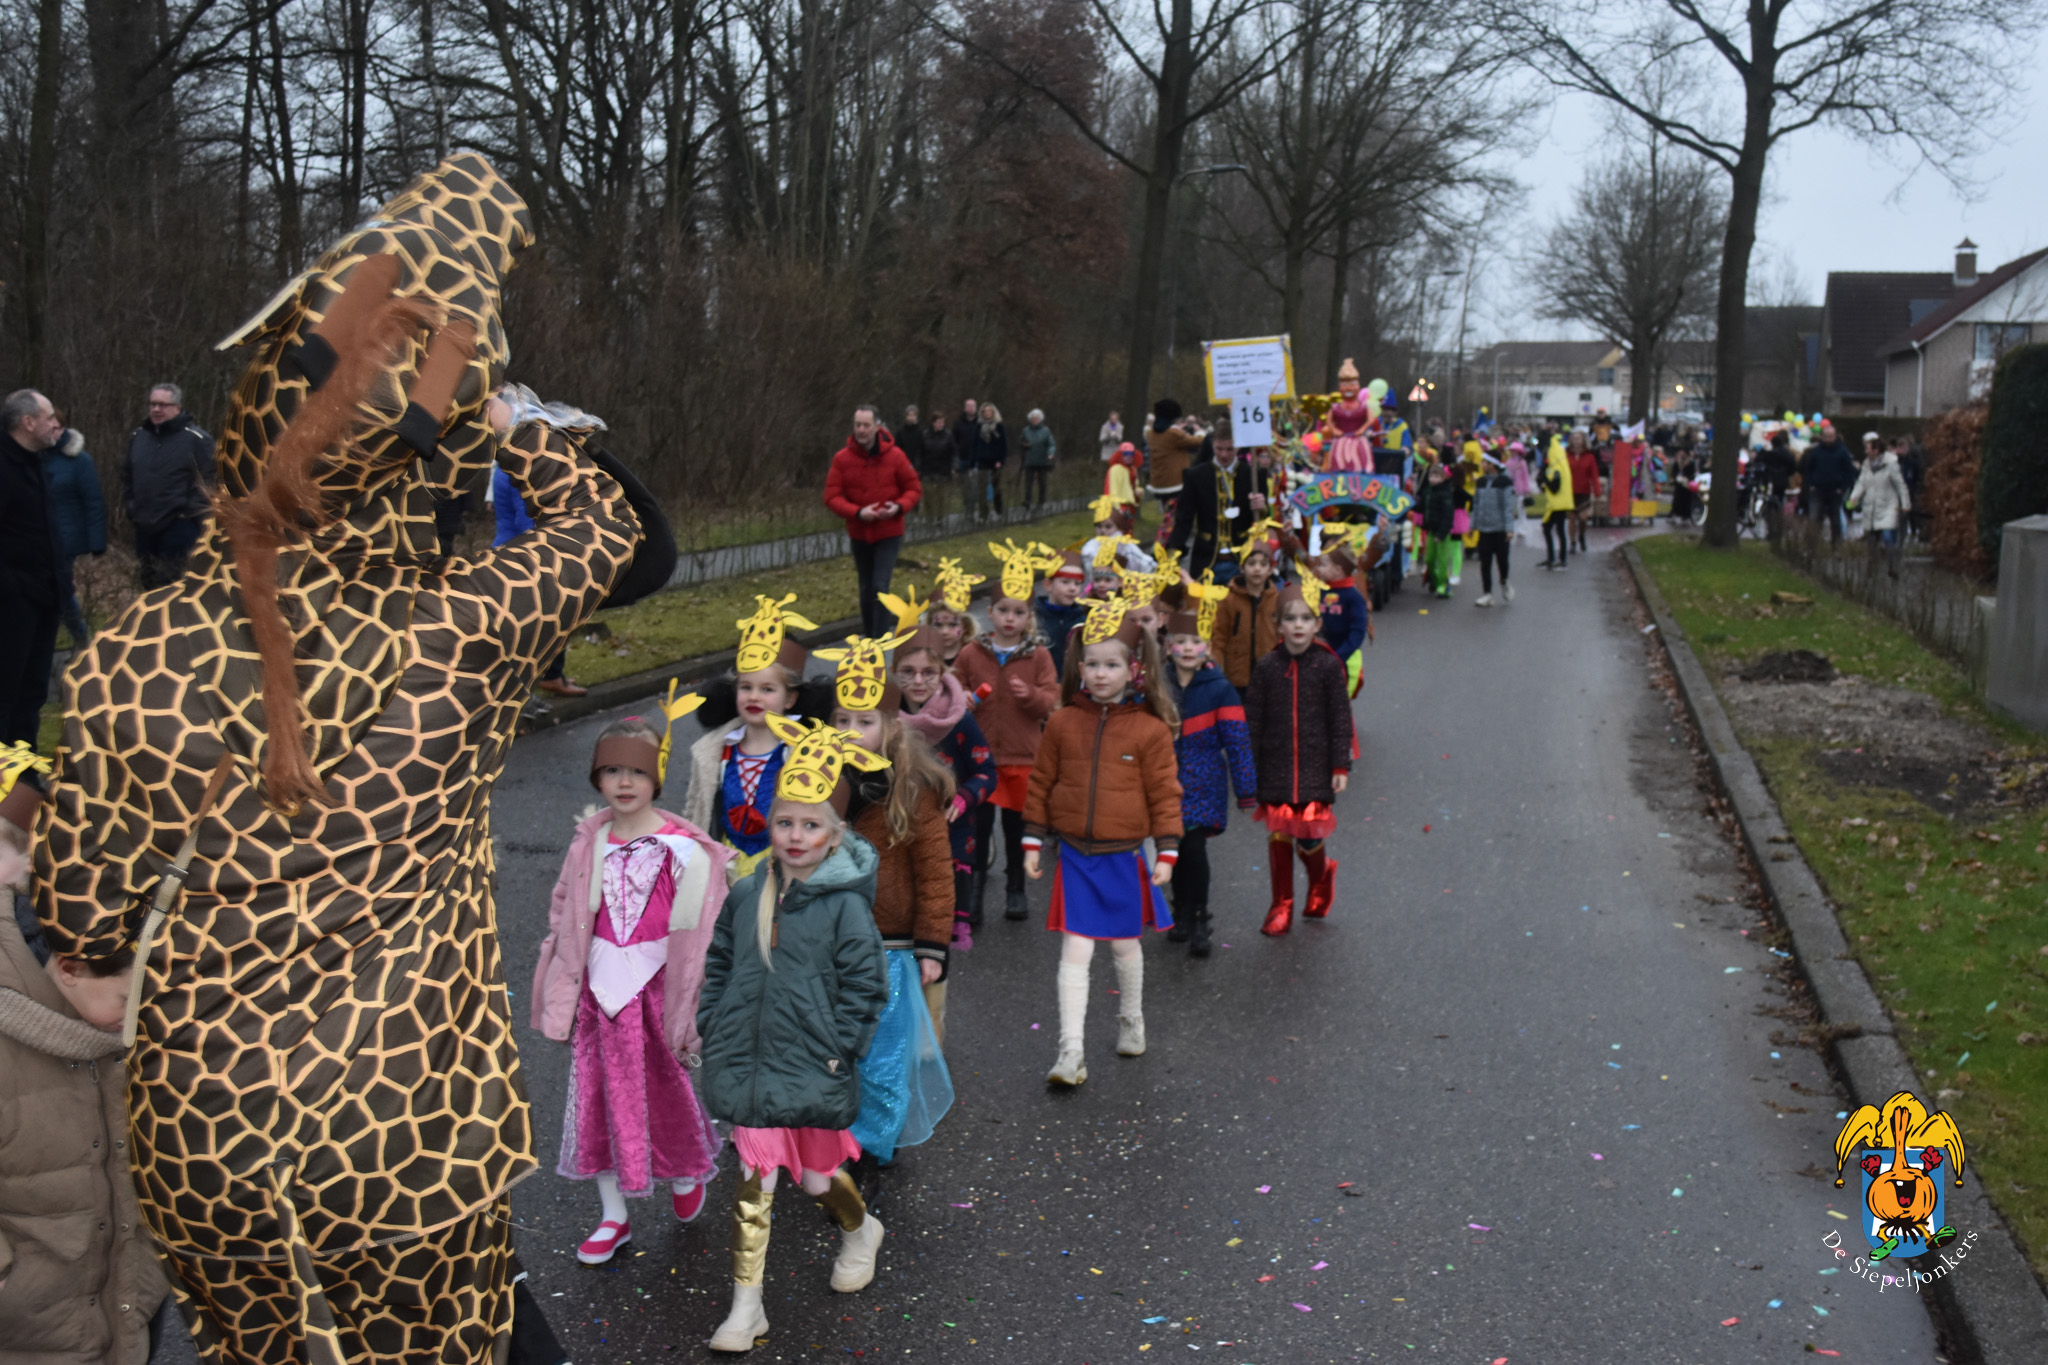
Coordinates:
572 920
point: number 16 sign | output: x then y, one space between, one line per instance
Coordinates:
1248 374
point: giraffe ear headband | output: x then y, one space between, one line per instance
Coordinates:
955 586
628 751
1211 595
764 637
813 772
862 682
907 610
1021 565
1102 509
1109 619
19 799
1139 591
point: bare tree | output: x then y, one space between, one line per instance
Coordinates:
1924 75
1359 138
1181 54
1635 259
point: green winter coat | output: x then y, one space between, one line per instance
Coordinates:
780 1046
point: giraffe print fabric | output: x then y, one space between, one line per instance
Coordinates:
325 1066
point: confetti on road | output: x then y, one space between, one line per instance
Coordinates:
1730 1322
1151 1320
1820 1310
1775 1303
963 1206
1832 1213
1677 1194
1235 1242
1598 1157
1264 1279
1479 1227
1320 1265
1725 971
1265 1189
1304 1308
1615 1065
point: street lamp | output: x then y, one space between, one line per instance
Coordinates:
1172 280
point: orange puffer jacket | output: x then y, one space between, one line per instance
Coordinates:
1106 779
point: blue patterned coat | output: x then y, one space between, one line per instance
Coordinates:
1214 748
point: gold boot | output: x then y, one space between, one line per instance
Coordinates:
860 1234
750 1216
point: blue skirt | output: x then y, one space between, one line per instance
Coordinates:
1105 895
905 1088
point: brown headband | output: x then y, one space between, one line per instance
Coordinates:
18 807
627 751
1183 623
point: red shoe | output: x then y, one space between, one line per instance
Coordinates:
1322 884
599 1246
562 687
1280 869
688 1206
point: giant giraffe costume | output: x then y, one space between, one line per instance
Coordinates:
326 1105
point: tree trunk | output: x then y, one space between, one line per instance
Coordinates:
1169 135
1340 294
1731 348
290 228
1642 377
40 189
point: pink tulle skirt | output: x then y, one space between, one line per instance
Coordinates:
632 1111
795 1150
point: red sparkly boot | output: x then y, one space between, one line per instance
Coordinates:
1280 866
1322 883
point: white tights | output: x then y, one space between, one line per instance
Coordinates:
615 1202
1076 953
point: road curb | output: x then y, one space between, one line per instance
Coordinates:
1994 1308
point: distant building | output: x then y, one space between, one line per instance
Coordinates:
1864 312
1565 380
1781 374
1945 357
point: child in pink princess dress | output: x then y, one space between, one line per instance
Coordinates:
619 976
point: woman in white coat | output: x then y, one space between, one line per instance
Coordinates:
1880 492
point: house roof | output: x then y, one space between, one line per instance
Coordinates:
1932 323
1866 307
1564 355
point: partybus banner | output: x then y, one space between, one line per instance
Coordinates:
1379 491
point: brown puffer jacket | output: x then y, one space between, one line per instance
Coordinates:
1106 779
1168 454
78 1280
1245 632
1012 726
914 883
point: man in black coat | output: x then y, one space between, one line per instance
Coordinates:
1830 472
30 595
1220 498
167 482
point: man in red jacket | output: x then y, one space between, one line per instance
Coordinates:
872 484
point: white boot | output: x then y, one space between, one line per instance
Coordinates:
1073 989
1507 590
1484 599
745 1322
1130 1014
854 1269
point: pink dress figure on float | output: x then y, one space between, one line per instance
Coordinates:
1350 426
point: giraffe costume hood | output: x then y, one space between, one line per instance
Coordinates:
324 1093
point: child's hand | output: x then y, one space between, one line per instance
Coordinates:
1031 868
928 970
1338 780
1162 873
1019 688
957 809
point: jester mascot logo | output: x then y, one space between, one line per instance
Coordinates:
1903 1149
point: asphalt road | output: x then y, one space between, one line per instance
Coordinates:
1516 1098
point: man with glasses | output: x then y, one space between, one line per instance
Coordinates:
29 583
167 485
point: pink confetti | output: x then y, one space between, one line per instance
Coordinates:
1304 1308
963 1206
1320 1265
1479 1227
1730 1322
1598 1157
1265 1279
1265 1189
1034 1026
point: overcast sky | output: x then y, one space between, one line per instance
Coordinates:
1832 205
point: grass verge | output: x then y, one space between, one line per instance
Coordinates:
1945 911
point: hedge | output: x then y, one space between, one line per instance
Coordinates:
2013 481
